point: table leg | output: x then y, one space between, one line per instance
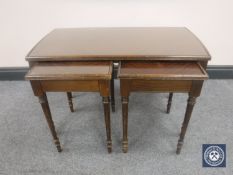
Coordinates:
45 106
169 102
69 97
112 93
106 104
195 92
188 113
125 101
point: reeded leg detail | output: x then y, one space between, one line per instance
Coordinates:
69 97
188 113
45 106
112 92
125 101
169 102
106 103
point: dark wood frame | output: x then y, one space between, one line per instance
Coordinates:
41 85
191 85
193 52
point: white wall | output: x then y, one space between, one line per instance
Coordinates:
24 22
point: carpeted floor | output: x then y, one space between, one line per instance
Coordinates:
26 146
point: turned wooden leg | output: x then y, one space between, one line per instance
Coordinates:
169 102
45 106
125 101
107 122
112 93
69 97
188 113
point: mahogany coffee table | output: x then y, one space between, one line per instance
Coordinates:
71 46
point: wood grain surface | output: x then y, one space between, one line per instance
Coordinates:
148 43
70 71
161 70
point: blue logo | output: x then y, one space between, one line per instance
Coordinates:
214 155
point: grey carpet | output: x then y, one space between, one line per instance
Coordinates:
26 145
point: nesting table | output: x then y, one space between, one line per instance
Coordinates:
155 59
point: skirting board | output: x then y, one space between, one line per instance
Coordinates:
215 72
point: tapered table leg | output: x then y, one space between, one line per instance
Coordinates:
188 113
69 97
106 104
169 102
125 101
45 106
112 93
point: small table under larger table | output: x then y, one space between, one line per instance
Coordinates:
146 44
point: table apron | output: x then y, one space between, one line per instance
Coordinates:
161 85
69 85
